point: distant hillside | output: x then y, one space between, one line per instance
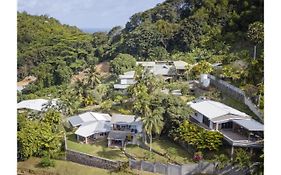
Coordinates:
50 50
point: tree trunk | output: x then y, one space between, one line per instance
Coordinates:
150 143
255 51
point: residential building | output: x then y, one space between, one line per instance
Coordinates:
125 130
91 126
126 80
37 105
166 69
119 129
238 128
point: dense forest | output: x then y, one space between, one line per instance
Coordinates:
225 31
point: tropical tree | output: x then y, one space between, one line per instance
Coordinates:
256 34
92 77
242 158
122 63
202 67
152 122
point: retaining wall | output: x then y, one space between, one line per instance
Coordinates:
235 93
91 160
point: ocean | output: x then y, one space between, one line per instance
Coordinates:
93 30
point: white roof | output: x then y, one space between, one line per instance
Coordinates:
120 118
121 86
146 63
127 75
212 109
35 104
180 64
88 117
90 128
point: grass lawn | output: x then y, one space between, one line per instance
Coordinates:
143 154
98 148
163 144
31 167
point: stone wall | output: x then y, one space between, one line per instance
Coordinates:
91 160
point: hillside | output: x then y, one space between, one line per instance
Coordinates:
50 50
225 31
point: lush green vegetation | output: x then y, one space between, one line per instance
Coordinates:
40 137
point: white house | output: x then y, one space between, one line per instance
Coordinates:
238 128
166 69
37 104
124 130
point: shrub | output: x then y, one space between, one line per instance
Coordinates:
47 162
198 156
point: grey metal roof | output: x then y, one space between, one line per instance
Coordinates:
120 118
213 109
251 125
75 120
88 117
90 128
229 117
118 135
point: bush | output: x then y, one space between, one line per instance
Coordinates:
198 156
47 162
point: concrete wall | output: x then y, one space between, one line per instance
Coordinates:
185 169
91 160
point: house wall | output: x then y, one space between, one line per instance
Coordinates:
197 116
127 81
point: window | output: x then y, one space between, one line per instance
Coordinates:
206 121
227 125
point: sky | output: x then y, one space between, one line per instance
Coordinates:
88 13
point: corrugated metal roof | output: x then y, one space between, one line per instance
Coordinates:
118 135
90 128
213 109
75 120
251 125
88 117
120 118
36 104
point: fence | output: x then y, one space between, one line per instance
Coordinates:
235 93
185 169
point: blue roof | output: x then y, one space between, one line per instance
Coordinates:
251 125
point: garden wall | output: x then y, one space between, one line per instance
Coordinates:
91 160
185 169
235 93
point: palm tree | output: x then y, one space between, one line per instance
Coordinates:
93 77
152 122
